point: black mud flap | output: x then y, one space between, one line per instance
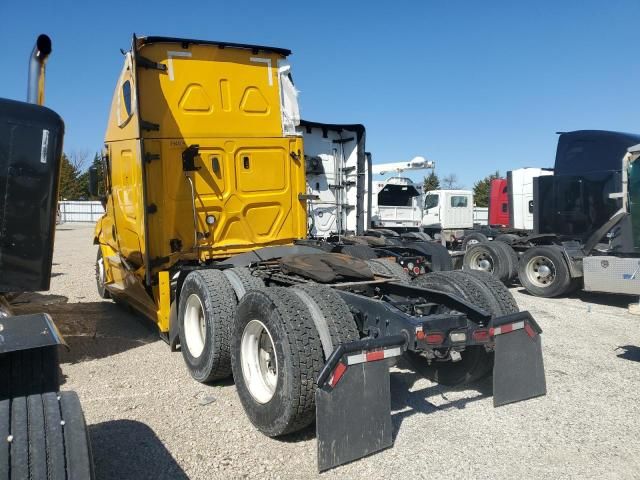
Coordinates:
353 405
518 371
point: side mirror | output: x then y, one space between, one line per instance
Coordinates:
93 181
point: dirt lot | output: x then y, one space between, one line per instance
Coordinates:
149 419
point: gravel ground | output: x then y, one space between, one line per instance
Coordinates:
149 419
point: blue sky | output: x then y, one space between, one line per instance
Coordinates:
475 86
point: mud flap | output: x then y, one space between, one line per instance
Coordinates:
353 401
518 371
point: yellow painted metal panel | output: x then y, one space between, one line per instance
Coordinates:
163 300
208 91
251 191
127 199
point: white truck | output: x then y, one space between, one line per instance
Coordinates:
448 214
344 207
520 196
338 179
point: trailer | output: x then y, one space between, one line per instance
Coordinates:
205 233
584 233
42 430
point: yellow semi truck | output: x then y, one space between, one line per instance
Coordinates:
204 233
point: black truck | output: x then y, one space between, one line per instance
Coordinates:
585 223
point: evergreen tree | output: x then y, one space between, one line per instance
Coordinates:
83 179
481 190
70 188
431 182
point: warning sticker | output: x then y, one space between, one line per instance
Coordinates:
44 148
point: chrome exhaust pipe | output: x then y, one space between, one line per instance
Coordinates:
41 50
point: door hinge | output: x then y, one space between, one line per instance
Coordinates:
150 157
304 196
146 63
149 126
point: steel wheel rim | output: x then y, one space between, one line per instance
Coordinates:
101 270
541 271
195 326
481 261
259 361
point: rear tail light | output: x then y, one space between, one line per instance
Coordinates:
434 338
481 335
416 270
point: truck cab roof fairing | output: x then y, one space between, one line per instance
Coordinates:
140 41
586 151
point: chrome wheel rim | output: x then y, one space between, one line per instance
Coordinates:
481 261
259 361
195 325
541 271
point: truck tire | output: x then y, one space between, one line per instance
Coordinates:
100 276
512 256
381 266
242 280
364 252
48 437
544 272
507 238
500 292
276 358
489 257
438 255
27 372
416 236
476 362
473 238
205 318
331 315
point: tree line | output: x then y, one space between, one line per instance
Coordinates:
481 188
74 175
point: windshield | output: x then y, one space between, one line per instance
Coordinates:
430 201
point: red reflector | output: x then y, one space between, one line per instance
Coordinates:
373 356
435 338
481 335
530 331
506 328
416 270
337 374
